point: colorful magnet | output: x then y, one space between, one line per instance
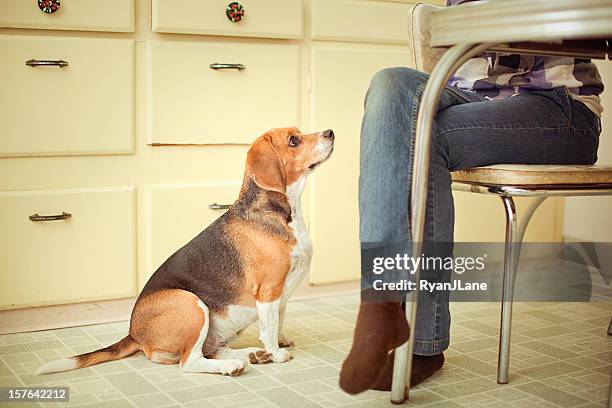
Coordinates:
49 6
234 12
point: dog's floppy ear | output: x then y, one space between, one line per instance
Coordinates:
265 166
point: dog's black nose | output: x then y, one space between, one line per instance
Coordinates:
328 134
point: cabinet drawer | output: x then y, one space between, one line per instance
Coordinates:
82 15
86 107
262 18
179 212
191 103
90 255
364 21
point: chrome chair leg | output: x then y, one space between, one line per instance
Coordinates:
503 362
402 360
449 63
533 206
513 246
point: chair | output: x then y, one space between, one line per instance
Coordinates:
508 181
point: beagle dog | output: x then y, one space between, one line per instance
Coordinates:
241 268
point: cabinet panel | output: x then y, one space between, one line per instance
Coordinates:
362 20
89 256
86 107
262 18
179 212
191 103
82 15
339 105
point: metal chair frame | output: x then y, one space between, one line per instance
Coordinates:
515 232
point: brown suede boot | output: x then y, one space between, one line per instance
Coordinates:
380 327
423 367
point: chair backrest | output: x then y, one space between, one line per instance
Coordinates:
423 56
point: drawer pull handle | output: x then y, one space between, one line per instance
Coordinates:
46 63
215 206
55 217
217 66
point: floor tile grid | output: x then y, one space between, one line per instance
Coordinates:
426 394
561 386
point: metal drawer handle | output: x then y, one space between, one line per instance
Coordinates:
215 206
56 217
46 63
217 66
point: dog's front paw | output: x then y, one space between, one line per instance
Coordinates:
283 341
232 367
281 356
260 357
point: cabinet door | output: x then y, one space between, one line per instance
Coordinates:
262 18
340 77
87 252
192 103
82 15
85 106
366 21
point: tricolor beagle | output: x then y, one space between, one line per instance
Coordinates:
243 267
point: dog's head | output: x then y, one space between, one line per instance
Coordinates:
280 157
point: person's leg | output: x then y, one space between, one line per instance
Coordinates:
543 127
391 108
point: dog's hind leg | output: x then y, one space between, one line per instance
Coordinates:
193 361
252 355
171 326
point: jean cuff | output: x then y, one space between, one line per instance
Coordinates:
430 347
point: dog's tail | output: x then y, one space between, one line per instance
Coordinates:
123 348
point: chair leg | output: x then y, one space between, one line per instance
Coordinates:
402 360
503 362
513 245
610 328
522 227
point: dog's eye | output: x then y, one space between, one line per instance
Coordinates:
294 141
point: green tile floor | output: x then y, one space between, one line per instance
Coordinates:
560 358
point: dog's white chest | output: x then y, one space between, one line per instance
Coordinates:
301 253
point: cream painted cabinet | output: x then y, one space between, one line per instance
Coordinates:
261 18
65 96
340 77
85 15
59 246
194 103
364 21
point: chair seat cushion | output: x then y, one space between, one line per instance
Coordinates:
522 174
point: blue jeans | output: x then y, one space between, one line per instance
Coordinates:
543 127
